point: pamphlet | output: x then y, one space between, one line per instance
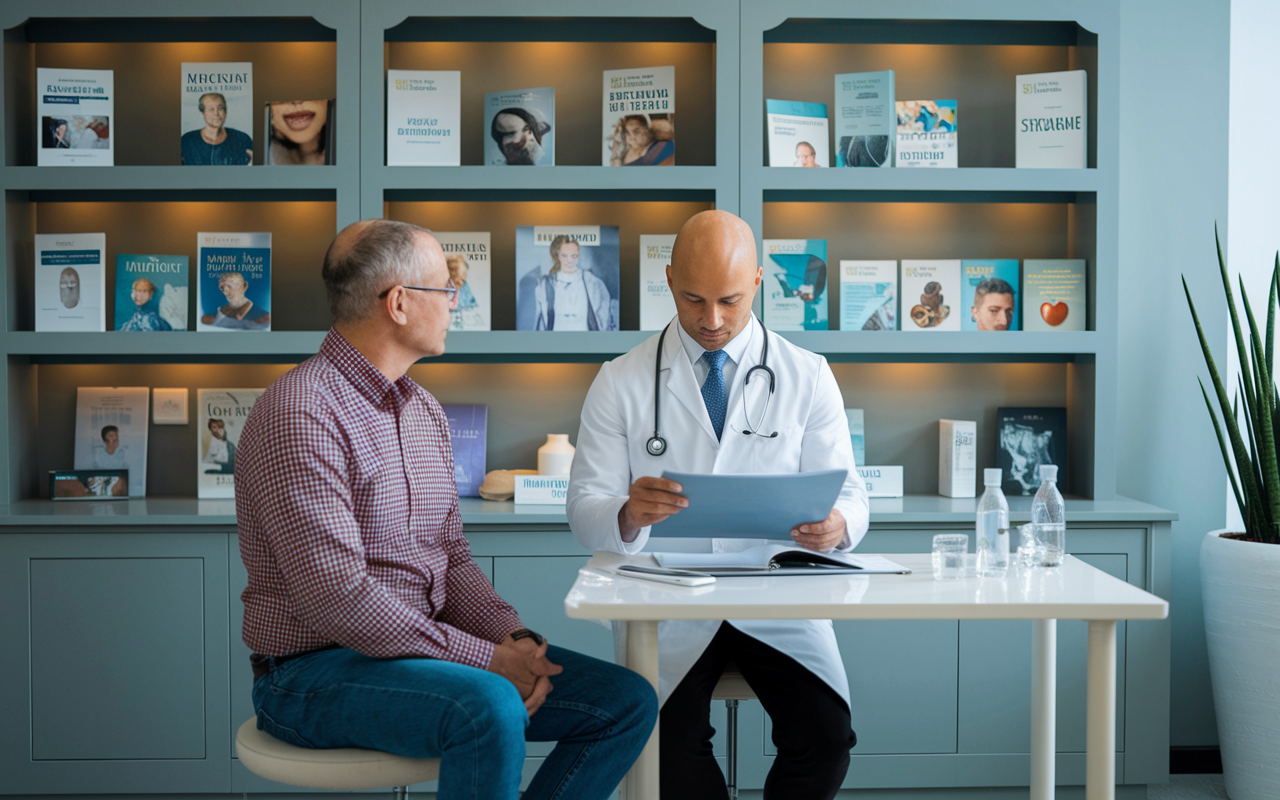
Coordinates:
74 117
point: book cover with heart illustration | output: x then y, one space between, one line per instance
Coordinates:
1053 295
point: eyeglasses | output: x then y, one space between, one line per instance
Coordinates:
448 287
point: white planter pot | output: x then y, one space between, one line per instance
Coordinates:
1241 583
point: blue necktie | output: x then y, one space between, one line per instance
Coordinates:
713 392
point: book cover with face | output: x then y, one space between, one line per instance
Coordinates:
221 418
71 285
233 290
989 290
639 128
520 128
151 292
567 278
111 431
217 114
468 257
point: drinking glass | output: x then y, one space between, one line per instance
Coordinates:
949 551
1027 555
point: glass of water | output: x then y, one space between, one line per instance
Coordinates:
1027 555
949 551
1050 543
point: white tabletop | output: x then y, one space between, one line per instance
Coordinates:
1075 590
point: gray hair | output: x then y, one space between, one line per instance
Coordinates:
385 253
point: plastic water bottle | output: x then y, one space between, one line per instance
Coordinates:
993 528
1050 518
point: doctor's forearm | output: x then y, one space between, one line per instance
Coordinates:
626 530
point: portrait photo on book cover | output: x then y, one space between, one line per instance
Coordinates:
75 133
142 305
643 140
299 132
521 137
567 278
235 301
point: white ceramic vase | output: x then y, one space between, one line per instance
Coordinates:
556 456
1241 585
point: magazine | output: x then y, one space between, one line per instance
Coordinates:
217 114
1054 294
468 427
298 132
151 293
657 306
111 431
221 418
423 117
640 117
1053 115
797 133
567 278
74 111
927 135
931 295
233 289
795 284
520 127
71 286
989 295
864 119
868 295
467 255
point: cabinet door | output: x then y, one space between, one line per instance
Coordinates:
995 679
115 663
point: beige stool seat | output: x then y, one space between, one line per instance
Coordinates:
731 688
339 768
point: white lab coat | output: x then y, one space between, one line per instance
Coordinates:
807 411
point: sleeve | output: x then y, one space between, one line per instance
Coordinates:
600 478
827 446
310 529
472 605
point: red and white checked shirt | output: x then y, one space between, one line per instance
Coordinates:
349 523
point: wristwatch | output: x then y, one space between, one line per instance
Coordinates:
525 633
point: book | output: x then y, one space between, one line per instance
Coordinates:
233 286
857 437
424 118
927 135
639 117
567 278
868 295
468 428
111 431
151 293
957 458
220 421
865 124
657 306
470 268
931 295
797 133
882 481
74 112
989 295
71 285
519 127
217 114
299 132
777 559
795 281
1028 438
1053 294
1052 112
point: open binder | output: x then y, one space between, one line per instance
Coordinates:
776 559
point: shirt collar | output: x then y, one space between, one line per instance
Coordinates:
735 349
364 376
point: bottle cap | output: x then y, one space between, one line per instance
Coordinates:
991 476
1049 472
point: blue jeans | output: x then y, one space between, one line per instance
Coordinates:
599 714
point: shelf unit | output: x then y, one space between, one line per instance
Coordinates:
731 57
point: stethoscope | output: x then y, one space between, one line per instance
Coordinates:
656 445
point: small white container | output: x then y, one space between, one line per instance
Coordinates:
556 456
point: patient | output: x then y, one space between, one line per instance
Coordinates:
370 624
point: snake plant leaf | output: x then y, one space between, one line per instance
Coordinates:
1241 348
1226 456
1265 446
1257 512
1271 319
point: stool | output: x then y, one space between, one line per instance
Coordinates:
731 688
344 768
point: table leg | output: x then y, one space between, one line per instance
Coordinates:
1044 681
1100 726
642 657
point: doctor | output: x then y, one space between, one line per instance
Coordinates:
711 416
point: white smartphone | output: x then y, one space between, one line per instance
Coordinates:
682 577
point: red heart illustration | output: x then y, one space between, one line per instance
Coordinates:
1054 313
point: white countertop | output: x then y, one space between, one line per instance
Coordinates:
1075 590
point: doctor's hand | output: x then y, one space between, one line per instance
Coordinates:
651 500
524 662
821 535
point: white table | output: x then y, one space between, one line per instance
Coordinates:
1073 591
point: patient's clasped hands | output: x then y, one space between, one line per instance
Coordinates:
524 662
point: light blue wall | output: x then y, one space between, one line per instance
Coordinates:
1173 187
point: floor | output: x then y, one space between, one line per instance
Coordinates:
1189 787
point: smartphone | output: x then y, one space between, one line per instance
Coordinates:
681 577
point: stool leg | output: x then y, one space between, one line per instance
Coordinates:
400 793
731 742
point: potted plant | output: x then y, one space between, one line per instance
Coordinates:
1240 571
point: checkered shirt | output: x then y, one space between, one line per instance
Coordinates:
349 522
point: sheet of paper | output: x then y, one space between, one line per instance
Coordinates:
751 506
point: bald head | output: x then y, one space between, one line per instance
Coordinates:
371 255
713 277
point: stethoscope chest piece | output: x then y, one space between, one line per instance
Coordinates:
656 445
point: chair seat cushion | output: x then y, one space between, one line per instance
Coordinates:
340 768
732 686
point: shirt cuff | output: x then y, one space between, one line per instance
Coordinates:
470 650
